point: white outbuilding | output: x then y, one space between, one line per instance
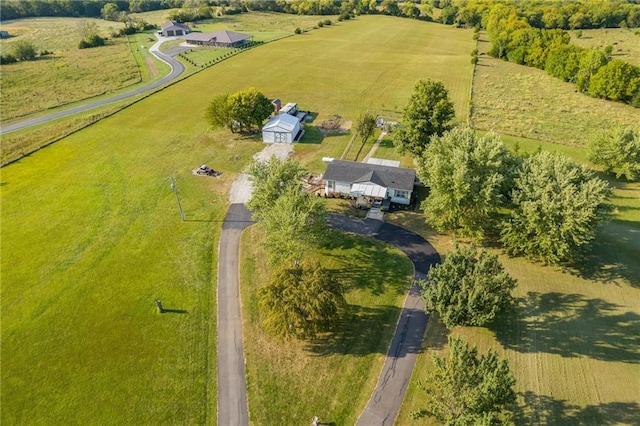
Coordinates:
282 128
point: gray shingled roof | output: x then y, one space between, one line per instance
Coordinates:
227 37
390 177
170 24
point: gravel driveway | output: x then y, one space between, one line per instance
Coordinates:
241 188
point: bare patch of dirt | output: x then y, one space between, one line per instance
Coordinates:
334 125
153 71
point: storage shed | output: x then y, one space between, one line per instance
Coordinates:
282 128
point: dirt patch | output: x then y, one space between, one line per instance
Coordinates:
241 187
334 125
153 71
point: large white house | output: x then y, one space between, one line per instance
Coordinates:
282 128
376 181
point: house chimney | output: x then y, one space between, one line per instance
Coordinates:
276 105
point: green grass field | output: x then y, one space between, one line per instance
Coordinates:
332 377
91 234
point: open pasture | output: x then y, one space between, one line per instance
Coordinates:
91 233
69 74
527 102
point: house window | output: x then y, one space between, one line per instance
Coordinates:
331 185
402 194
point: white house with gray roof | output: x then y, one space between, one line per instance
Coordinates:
376 181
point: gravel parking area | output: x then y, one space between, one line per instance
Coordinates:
241 188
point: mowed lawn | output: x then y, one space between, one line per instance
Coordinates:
91 234
331 377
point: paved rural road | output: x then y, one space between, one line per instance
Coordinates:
387 397
232 388
176 69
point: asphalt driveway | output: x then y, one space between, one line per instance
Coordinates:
385 402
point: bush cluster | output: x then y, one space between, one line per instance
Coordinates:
93 41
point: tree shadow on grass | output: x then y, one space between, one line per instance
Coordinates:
546 410
570 325
372 269
614 255
362 331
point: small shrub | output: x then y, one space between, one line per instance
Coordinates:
7 59
579 34
327 21
298 31
474 60
476 36
320 24
46 53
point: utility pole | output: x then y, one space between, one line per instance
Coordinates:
175 191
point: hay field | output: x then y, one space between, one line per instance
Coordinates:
91 234
625 42
523 101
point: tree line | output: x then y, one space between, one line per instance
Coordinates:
14 9
558 14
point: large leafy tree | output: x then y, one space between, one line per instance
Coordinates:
558 207
271 179
429 112
218 113
242 111
249 108
618 150
468 177
365 126
294 222
301 302
468 288
617 80
467 389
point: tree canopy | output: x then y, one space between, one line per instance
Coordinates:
241 111
618 150
293 223
300 302
271 179
365 126
467 389
429 112
468 177
468 288
558 207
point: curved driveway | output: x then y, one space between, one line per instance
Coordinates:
176 69
387 397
